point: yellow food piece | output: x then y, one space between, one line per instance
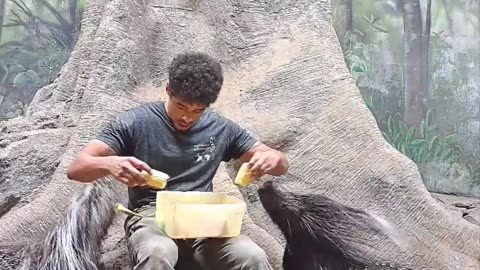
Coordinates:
244 176
120 208
157 179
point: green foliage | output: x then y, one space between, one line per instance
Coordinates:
28 79
474 168
425 145
446 145
27 70
18 109
473 164
356 56
37 38
50 57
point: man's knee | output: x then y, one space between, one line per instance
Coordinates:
250 254
156 256
152 250
160 251
160 254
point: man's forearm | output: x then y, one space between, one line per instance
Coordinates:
89 168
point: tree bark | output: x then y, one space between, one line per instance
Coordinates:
72 9
449 18
414 63
2 17
349 19
281 59
426 46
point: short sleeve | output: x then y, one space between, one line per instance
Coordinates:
239 142
118 134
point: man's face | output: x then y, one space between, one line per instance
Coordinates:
183 114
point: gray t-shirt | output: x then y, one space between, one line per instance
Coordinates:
190 158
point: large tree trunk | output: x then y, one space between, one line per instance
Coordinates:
426 46
349 18
447 9
349 21
414 67
281 59
2 17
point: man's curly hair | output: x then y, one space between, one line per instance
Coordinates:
195 78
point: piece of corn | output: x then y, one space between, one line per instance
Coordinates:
120 208
244 176
157 179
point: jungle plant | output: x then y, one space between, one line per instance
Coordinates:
473 164
18 109
417 74
38 38
424 145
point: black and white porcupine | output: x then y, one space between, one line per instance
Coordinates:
321 233
72 244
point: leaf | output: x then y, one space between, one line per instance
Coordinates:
450 159
410 134
26 79
371 105
436 153
418 142
366 55
354 58
3 65
10 115
403 128
450 139
348 53
428 117
420 155
432 142
447 152
387 137
359 32
16 68
423 129
413 132
423 155
358 67
397 140
366 18
390 125
404 151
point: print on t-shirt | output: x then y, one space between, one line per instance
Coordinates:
205 151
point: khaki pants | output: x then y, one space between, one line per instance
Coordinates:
153 249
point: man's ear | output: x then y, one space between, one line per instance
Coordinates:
168 90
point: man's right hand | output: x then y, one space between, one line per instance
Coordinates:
127 170
97 160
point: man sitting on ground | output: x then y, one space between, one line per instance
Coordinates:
184 138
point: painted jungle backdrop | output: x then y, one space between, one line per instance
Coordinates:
416 63
36 38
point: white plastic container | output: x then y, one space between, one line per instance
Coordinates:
197 214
